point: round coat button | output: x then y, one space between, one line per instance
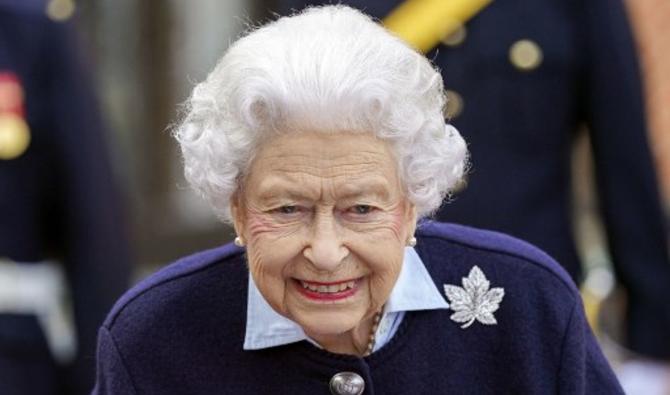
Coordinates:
347 383
525 55
454 106
456 37
60 10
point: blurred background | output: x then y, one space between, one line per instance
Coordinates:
147 56
144 57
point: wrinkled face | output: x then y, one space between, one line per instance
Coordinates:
325 221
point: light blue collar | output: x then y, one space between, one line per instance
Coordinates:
414 290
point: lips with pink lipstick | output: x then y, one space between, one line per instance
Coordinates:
329 291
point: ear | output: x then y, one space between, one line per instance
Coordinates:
237 213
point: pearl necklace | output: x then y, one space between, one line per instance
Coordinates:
373 334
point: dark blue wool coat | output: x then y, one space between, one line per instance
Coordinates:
181 332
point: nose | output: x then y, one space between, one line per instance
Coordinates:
325 249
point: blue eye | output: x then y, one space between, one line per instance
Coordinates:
287 209
361 209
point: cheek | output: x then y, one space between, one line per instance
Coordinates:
267 266
270 248
384 276
382 252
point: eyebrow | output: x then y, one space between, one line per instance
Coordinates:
376 187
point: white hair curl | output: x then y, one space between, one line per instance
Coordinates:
327 69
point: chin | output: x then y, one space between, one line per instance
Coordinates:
329 323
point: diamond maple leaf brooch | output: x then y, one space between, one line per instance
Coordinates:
475 301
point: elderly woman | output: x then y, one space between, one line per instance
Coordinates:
321 138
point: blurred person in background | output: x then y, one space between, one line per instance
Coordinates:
525 76
64 256
652 34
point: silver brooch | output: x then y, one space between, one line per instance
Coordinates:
475 301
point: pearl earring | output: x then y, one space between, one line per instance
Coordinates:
238 241
412 241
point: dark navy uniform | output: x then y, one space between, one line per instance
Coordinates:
525 74
57 199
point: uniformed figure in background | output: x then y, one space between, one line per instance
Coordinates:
652 35
524 76
60 232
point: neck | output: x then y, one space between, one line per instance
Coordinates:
352 342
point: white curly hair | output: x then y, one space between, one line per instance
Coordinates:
328 69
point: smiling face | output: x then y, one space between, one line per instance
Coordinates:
326 222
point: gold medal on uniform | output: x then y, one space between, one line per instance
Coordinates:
14 136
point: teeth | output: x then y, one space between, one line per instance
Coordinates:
328 288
